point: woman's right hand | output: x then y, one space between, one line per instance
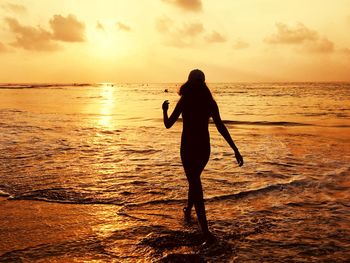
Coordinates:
165 105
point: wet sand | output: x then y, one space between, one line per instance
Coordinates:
53 232
36 231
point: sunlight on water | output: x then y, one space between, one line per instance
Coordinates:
107 106
113 185
108 221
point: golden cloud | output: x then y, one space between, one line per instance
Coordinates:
182 36
189 5
309 40
240 44
286 35
99 26
123 27
31 38
166 26
345 50
192 29
67 29
163 24
322 45
14 8
3 48
186 34
216 37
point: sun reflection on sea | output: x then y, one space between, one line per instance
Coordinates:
107 105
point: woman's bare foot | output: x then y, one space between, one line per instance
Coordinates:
187 214
209 239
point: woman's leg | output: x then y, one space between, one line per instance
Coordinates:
187 210
190 198
194 159
195 195
199 203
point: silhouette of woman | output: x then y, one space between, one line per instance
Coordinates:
196 106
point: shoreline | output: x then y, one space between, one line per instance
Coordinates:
36 230
28 224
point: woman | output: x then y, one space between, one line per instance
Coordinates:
196 106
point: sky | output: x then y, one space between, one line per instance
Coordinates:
131 41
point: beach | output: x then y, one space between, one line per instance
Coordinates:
89 173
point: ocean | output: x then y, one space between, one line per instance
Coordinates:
88 172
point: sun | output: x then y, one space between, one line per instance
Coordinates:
103 43
106 41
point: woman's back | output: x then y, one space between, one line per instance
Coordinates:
196 111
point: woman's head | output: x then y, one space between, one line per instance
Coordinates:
195 87
196 81
196 75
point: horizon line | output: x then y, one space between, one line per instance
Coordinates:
156 82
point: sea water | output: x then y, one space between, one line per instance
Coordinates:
101 152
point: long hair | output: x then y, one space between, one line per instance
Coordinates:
195 91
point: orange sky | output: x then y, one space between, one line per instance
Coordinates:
162 40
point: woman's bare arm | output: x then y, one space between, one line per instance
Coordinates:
169 121
224 132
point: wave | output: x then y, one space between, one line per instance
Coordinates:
34 86
260 123
140 151
263 190
268 123
4 194
10 110
65 196
157 202
274 123
69 196
282 123
341 126
234 196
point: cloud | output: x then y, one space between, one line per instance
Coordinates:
31 38
14 8
67 29
286 35
188 5
322 45
186 34
345 51
192 29
179 36
309 40
123 27
166 26
3 48
99 26
163 24
216 37
240 44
